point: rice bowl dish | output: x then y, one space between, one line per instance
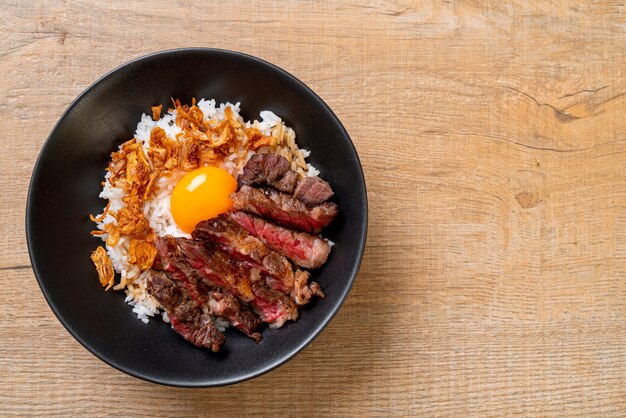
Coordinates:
94 125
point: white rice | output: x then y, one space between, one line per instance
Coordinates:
156 209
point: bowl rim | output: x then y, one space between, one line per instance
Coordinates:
36 174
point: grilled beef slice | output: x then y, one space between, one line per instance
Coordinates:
313 191
186 317
287 183
303 291
284 209
304 249
273 306
239 316
268 170
220 304
219 269
236 241
179 270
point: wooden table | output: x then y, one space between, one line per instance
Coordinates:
493 140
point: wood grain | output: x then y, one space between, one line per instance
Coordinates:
493 140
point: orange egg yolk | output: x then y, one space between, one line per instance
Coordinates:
201 194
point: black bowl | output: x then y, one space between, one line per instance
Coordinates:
64 191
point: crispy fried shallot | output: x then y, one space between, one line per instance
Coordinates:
257 140
104 267
97 219
141 253
163 152
156 112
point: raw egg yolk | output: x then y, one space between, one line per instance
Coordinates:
201 194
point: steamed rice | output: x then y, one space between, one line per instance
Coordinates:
156 208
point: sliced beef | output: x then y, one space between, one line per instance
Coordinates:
219 269
171 262
236 241
303 291
273 306
220 304
313 191
239 316
287 183
284 209
263 169
186 317
268 170
304 249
